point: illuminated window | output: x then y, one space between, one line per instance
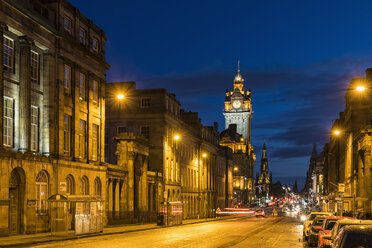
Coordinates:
8 54
82 85
8 121
34 67
34 128
41 193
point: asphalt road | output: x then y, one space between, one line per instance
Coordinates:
284 231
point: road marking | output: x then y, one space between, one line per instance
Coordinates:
276 241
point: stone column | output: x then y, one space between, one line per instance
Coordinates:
117 198
131 156
3 28
25 94
110 199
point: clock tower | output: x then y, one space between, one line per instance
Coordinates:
238 108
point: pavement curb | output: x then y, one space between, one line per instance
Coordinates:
57 239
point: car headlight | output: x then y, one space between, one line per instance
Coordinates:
303 217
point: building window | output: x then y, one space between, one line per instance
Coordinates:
122 129
95 45
95 91
8 121
145 102
67 24
82 36
145 131
82 139
34 128
70 185
34 67
82 93
8 54
66 134
84 190
42 193
67 78
97 186
95 143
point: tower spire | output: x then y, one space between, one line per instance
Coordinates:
238 66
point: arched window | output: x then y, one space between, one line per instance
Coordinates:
41 192
84 186
97 186
70 185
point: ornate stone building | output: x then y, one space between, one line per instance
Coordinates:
348 163
52 85
237 136
183 153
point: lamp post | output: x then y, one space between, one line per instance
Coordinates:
120 97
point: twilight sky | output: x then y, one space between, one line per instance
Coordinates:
296 56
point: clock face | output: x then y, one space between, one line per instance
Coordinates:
236 104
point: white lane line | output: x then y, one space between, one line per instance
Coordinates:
276 241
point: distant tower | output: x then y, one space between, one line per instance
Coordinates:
264 173
238 108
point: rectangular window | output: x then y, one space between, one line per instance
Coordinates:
67 78
66 134
122 129
95 45
145 131
8 122
82 93
82 36
145 102
95 143
34 67
8 54
95 91
34 128
82 139
67 24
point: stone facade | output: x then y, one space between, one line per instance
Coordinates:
347 170
53 108
184 156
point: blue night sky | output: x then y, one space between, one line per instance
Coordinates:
296 56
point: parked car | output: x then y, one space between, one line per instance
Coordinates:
309 221
314 229
259 212
346 221
354 236
324 236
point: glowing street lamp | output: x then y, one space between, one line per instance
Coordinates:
360 88
236 168
204 155
176 137
336 132
120 96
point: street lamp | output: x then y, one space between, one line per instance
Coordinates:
204 155
120 96
176 137
336 132
360 88
236 168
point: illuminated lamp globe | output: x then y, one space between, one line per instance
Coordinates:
360 88
120 96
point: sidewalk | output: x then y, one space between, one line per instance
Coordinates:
32 239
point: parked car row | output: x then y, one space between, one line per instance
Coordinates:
322 229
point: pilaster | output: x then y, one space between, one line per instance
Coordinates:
25 94
3 28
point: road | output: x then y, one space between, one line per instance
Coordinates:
284 231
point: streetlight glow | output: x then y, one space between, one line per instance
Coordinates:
204 155
120 96
235 168
360 88
336 132
176 137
